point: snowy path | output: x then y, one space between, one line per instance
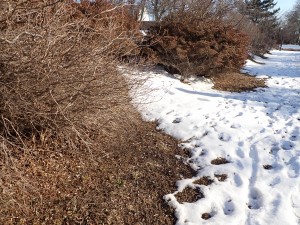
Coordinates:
258 133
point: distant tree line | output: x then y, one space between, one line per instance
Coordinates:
258 19
291 26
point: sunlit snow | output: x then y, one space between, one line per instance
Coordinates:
257 132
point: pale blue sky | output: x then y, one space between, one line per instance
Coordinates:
285 5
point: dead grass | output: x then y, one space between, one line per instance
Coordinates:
121 182
221 177
206 216
237 82
204 181
189 195
219 161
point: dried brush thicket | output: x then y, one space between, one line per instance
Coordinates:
198 42
56 65
61 98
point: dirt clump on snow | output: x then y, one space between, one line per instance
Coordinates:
206 216
219 161
204 181
237 82
221 177
189 195
268 167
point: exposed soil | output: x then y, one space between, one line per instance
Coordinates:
206 216
221 177
122 183
204 181
147 172
237 82
268 167
219 161
189 195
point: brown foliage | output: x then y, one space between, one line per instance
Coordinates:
121 181
198 47
237 82
57 65
64 108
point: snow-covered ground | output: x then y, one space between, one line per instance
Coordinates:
257 132
295 47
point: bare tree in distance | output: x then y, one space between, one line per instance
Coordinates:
162 8
291 25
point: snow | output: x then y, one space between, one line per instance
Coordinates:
295 47
257 132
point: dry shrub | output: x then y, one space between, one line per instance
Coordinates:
119 19
62 103
57 66
237 82
198 46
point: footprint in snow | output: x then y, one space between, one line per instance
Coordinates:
262 130
237 180
290 123
205 133
239 114
293 138
177 120
224 120
287 145
253 110
224 137
239 164
212 123
241 143
228 207
169 112
295 202
240 153
271 123
275 181
170 92
294 167
255 199
235 126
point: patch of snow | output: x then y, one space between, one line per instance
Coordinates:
257 132
143 32
296 47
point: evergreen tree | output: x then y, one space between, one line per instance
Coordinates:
262 14
261 10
